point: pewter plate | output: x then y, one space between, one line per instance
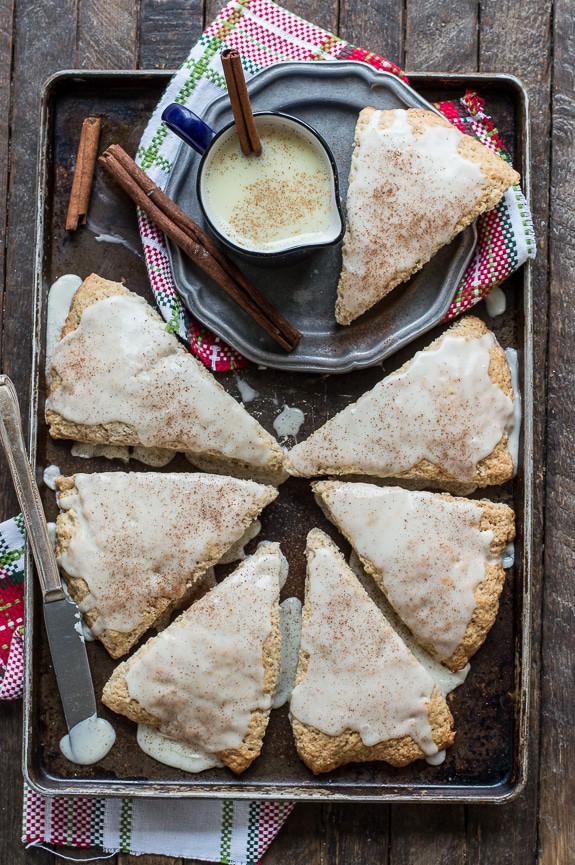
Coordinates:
328 96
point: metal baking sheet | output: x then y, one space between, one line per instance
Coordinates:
328 96
488 761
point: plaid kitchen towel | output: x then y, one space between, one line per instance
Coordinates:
217 831
264 33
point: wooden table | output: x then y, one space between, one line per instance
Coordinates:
532 39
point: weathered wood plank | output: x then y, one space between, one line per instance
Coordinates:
516 37
300 841
6 21
107 34
441 36
376 25
424 834
557 772
146 859
168 29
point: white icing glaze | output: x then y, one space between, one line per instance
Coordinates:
236 553
290 628
190 758
407 194
52 533
88 742
508 556
436 759
87 451
247 393
428 553
204 675
139 536
445 679
288 422
50 475
513 442
360 675
59 301
495 302
121 365
443 408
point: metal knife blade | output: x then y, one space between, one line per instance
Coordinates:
64 629
61 616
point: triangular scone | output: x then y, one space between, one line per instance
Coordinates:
443 419
360 694
132 546
436 558
209 679
119 377
415 182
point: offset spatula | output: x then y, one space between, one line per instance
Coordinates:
63 622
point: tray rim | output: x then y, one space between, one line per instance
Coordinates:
499 793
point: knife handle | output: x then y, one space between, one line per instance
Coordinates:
28 493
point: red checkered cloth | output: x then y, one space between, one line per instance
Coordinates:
11 608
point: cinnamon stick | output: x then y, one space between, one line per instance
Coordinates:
83 173
193 241
240 101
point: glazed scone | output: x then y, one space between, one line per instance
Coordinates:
132 546
209 679
118 377
415 182
442 420
436 558
360 694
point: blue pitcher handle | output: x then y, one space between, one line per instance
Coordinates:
188 126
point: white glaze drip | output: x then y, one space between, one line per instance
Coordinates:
121 365
360 675
86 451
88 742
247 392
513 442
290 628
155 457
52 533
495 302
139 536
508 556
59 301
204 675
189 758
50 475
443 408
436 759
288 422
428 553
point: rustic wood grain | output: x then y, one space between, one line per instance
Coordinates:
441 36
376 25
517 37
168 29
557 769
107 34
6 22
421 834
146 859
301 839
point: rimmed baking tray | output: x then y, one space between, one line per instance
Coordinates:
489 760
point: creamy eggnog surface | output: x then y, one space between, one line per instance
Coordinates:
273 201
